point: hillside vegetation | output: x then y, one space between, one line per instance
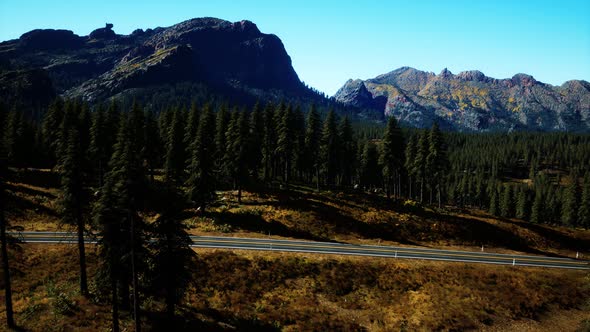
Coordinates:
302 213
295 292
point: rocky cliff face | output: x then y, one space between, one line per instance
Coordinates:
205 50
471 101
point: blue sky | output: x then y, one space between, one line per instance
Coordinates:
332 41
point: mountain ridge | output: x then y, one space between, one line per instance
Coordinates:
224 55
472 101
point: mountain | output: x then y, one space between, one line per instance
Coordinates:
234 59
471 101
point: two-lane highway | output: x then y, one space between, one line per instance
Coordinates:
268 244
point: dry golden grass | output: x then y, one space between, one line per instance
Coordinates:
294 292
249 290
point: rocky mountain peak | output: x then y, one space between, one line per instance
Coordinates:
103 33
49 39
523 79
405 78
445 73
472 75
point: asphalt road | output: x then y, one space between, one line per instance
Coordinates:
340 249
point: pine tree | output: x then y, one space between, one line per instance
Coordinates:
285 141
299 149
113 120
329 146
175 159
221 124
174 260
538 207
116 212
494 209
51 125
153 145
347 151
190 130
436 161
570 201
3 239
312 141
269 143
370 166
584 211
506 202
255 140
410 156
137 134
201 181
19 140
237 149
99 143
522 205
392 154
72 197
164 121
84 122
419 167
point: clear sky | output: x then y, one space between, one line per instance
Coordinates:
332 41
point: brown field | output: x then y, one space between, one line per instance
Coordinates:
299 292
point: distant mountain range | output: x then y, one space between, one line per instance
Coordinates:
236 62
471 101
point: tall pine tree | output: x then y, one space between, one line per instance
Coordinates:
313 135
584 211
436 161
72 198
392 155
175 159
3 239
329 146
201 181
570 201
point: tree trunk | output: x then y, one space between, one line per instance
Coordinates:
239 193
170 307
100 173
410 188
317 178
439 198
399 185
422 191
124 290
135 281
7 285
115 300
170 286
82 254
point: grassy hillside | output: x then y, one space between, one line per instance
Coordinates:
294 292
352 217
